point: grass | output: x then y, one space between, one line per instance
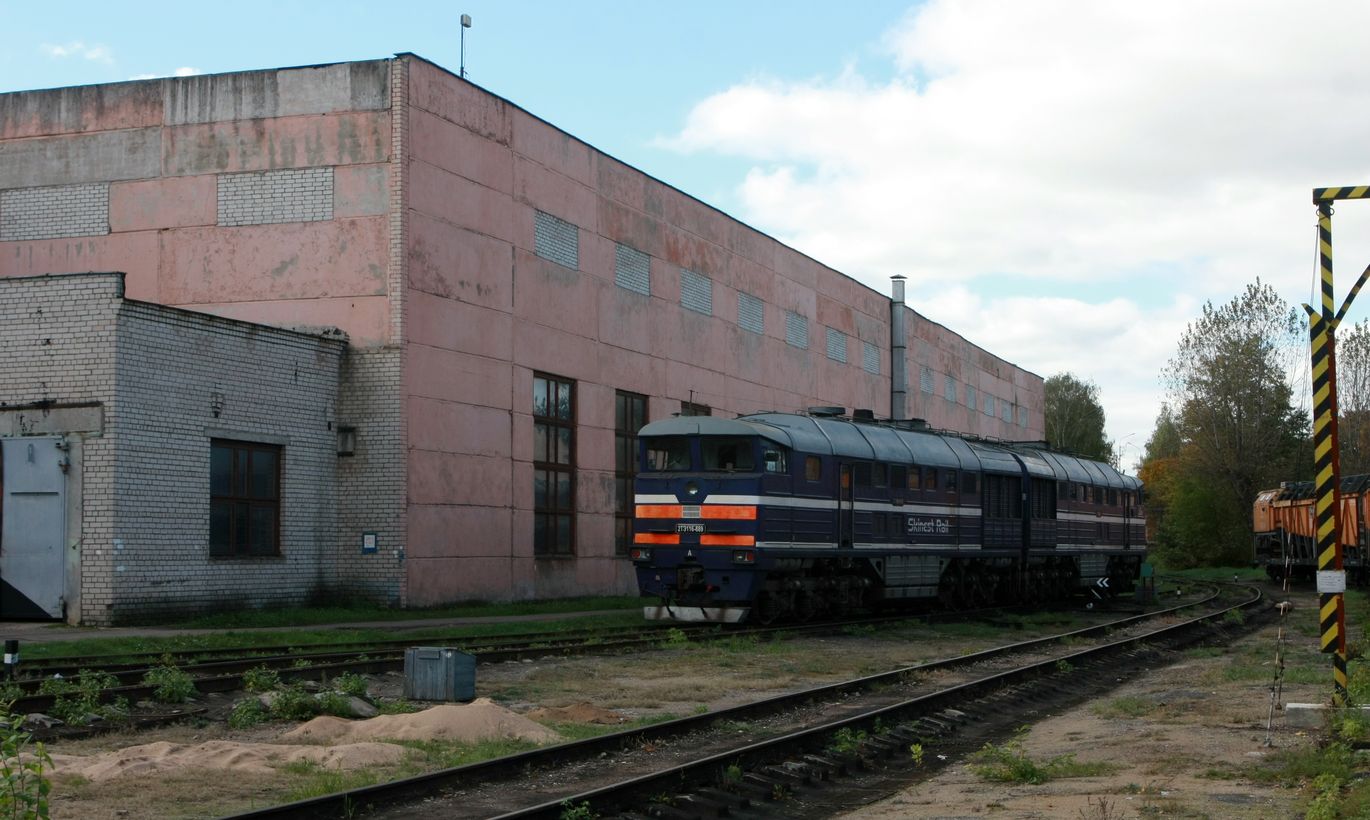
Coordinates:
114 648
1125 707
1010 763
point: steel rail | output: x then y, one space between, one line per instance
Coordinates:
705 770
427 785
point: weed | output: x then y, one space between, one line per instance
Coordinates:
732 775
399 706
916 753
780 792
293 703
1065 667
859 630
261 679
701 709
350 683
1101 810
847 741
1125 707
675 638
333 703
76 700
577 811
663 799
1236 617
169 684
23 787
247 713
302 663
9 693
1010 763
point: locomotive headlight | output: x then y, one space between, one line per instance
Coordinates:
744 557
638 554
691 489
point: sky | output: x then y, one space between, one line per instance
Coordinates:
1063 183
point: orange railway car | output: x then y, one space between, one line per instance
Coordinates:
1284 539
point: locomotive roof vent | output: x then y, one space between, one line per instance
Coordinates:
827 411
911 424
863 414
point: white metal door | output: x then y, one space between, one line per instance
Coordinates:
33 528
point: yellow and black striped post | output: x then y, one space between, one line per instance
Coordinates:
1322 325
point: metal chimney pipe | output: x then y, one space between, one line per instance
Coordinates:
898 344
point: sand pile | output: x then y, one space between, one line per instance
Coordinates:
481 719
152 758
577 713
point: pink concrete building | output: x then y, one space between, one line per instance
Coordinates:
516 302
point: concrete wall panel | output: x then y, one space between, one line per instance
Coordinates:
458 326
554 149
100 156
434 581
449 427
117 106
459 377
451 532
461 203
457 101
365 319
446 478
251 95
460 265
556 194
285 261
135 254
288 142
442 144
155 204
361 190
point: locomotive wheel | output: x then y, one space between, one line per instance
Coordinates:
767 609
951 592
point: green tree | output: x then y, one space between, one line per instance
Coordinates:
1075 419
1353 397
1231 406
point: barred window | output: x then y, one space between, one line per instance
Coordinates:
796 330
837 345
244 499
751 313
630 413
696 292
556 240
989 406
925 379
970 397
949 389
554 465
1022 416
632 269
1006 411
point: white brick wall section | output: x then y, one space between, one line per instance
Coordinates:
54 212
269 197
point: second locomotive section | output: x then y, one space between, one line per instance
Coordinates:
782 515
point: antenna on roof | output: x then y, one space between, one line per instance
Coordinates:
465 24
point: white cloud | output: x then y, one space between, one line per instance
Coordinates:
1156 155
76 48
183 71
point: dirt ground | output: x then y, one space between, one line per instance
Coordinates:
1178 740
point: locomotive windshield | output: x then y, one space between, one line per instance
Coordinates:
727 453
668 454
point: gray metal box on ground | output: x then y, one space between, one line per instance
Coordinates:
439 673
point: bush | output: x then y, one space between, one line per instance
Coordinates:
350 683
333 703
293 703
78 698
261 679
170 685
247 713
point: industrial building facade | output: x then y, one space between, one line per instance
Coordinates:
469 310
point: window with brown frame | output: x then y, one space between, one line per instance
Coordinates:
244 499
554 466
630 413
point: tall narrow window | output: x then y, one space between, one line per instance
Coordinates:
244 498
554 465
630 413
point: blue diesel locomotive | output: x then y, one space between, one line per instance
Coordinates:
779 515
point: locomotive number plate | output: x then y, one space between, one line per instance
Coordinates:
689 528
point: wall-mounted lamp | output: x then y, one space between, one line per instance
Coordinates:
216 403
347 440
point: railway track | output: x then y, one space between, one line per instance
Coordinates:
718 772
220 670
